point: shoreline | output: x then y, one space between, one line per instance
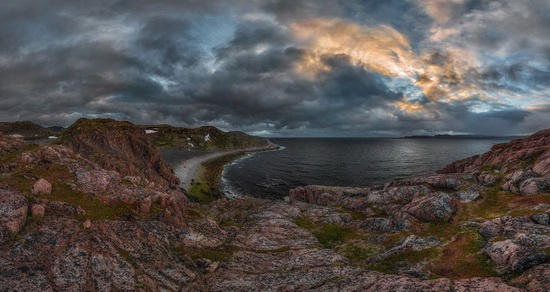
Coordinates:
200 176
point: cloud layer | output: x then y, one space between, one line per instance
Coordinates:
281 67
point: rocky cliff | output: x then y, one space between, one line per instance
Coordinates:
203 138
67 223
119 146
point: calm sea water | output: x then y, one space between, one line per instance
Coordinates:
343 162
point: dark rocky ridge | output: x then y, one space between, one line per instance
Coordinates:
26 130
100 231
203 139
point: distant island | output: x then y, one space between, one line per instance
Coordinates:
448 136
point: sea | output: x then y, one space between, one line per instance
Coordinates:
353 162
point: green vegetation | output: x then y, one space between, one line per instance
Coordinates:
219 254
463 258
390 264
329 235
27 129
441 229
358 251
59 176
206 186
14 156
194 139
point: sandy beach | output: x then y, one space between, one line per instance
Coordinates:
187 169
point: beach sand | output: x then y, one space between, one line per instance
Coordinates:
187 170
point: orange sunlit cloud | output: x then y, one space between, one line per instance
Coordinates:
381 49
441 75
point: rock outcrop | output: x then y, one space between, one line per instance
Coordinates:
13 214
510 156
122 147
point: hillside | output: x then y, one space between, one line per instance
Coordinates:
71 219
119 146
25 130
202 139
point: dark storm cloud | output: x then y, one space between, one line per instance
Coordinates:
236 64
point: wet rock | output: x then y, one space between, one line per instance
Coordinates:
433 207
42 187
38 212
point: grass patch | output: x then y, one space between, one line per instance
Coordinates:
126 256
463 258
213 254
15 156
390 265
60 176
494 203
329 235
358 252
497 203
441 229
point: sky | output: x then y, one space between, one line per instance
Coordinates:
281 67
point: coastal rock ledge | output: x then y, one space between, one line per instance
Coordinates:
115 220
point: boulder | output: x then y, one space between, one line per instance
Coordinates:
534 186
467 196
42 187
541 218
535 279
145 206
510 257
38 212
433 207
87 224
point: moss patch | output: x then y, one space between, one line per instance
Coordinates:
219 254
60 176
329 235
391 264
463 258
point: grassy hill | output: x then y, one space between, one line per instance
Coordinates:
203 139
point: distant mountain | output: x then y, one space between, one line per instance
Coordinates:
25 130
447 136
57 129
204 138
